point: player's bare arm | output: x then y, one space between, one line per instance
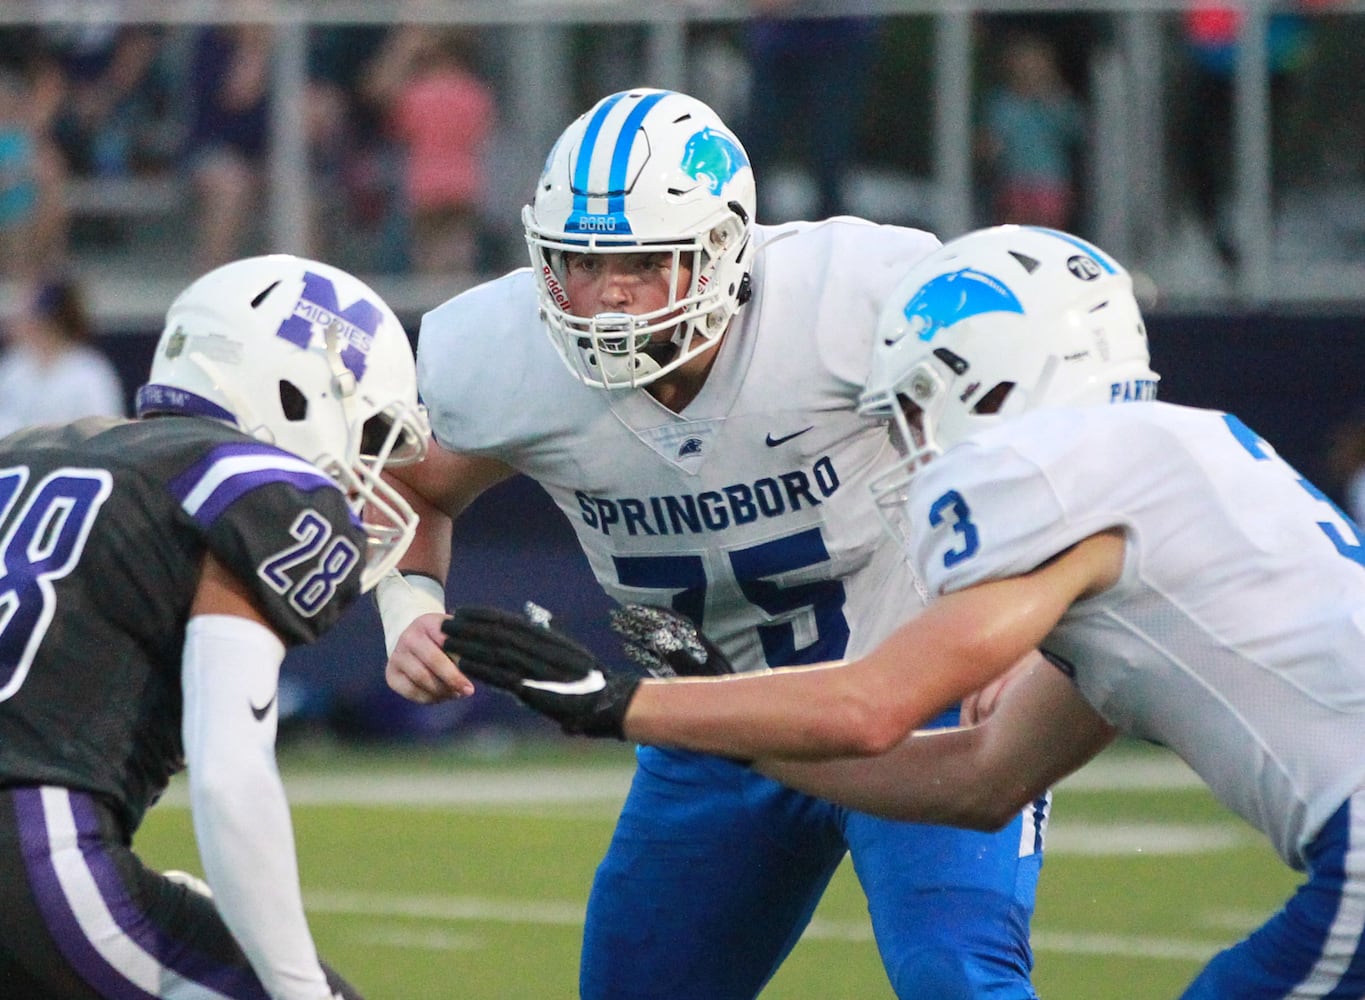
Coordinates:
978 705
974 776
867 707
411 602
864 708
221 592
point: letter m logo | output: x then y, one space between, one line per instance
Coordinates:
318 309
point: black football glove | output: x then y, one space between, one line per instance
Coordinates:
666 643
546 670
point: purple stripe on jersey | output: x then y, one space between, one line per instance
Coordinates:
183 485
170 952
237 485
71 938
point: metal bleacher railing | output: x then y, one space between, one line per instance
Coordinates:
1130 193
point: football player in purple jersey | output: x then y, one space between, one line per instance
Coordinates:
155 572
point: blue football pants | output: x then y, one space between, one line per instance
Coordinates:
1314 947
714 871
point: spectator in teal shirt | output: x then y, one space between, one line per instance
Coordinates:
1031 135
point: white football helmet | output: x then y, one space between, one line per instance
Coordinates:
994 324
308 358
653 171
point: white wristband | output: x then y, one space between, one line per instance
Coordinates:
404 599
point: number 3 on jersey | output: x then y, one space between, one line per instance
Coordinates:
1340 530
951 505
42 543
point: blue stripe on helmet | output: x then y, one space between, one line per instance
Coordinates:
583 166
620 156
1101 258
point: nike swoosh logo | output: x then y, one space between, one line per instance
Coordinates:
773 442
264 710
589 683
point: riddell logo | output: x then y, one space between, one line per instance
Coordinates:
555 288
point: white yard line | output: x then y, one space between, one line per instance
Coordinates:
607 784
598 790
567 914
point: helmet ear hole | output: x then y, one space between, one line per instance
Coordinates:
293 403
374 434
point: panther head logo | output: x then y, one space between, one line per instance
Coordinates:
951 298
713 158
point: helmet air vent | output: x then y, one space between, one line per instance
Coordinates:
993 400
261 297
953 361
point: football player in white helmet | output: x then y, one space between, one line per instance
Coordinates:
705 444
157 570
989 366
1189 587
648 179
306 357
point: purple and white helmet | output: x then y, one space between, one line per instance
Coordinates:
306 357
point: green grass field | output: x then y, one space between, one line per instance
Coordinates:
434 874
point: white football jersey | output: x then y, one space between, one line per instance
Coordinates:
1236 635
750 510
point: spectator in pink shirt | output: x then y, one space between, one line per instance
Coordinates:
442 115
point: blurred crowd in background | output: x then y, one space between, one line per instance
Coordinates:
149 146
398 119
107 129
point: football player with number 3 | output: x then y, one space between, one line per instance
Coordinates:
1189 587
692 411
155 572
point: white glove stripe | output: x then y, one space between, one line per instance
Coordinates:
588 684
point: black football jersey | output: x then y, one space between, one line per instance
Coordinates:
103 530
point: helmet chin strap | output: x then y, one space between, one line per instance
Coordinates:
344 381
619 367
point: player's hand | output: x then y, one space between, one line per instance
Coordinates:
420 670
666 643
545 669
